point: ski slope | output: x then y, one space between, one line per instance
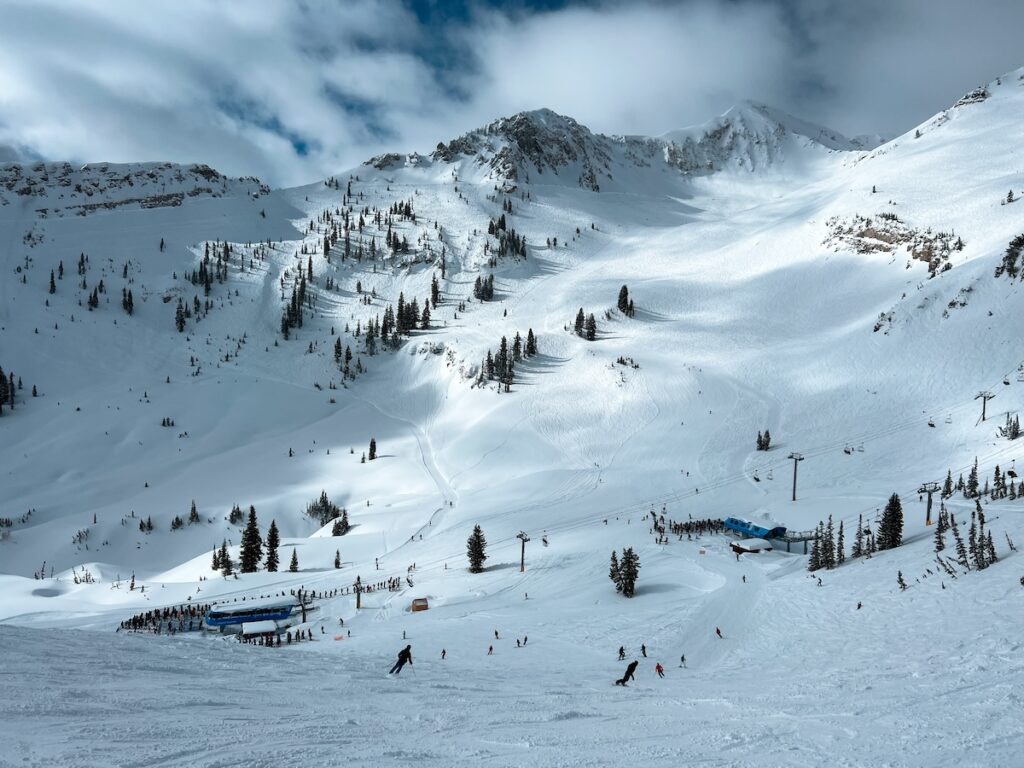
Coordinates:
757 295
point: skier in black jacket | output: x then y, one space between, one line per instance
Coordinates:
404 657
629 673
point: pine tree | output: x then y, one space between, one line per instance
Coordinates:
829 545
971 490
215 565
581 319
531 343
227 566
623 303
273 542
294 565
814 562
337 558
613 572
940 529
961 550
53 285
591 327
193 515
629 569
947 487
252 545
972 539
990 549
841 546
373 448
858 539
890 532
476 550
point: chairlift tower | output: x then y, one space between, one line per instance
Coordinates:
522 560
797 458
928 488
984 397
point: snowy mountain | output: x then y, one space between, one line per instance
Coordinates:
524 147
840 295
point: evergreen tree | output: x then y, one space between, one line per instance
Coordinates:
947 487
591 327
767 440
273 542
971 489
623 303
294 565
890 532
858 539
629 570
227 565
972 540
337 558
531 343
252 545
990 549
613 572
900 581
373 448
940 530
840 546
215 565
829 546
53 285
814 561
961 550
476 550
193 515
581 319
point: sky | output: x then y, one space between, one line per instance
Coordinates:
297 90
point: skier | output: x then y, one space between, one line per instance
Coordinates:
682 660
490 650
629 673
496 635
517 643
719 633
659 669
643 650
525 638
404 657
859 604
622 653
744 578
443 654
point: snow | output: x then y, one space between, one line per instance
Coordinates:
747 319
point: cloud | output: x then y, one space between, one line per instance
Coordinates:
295 91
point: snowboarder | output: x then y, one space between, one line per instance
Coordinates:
404 657
719 633
744 578
659 669
629 673
496 635
622 653
859 605
443 654
643 650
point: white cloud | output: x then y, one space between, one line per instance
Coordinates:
232 83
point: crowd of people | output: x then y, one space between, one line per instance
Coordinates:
180 618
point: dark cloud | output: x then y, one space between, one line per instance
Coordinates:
295 91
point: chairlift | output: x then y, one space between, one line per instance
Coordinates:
1020 376
756 478
769 474
847 450
1006 381
860 448
949 419
931 423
